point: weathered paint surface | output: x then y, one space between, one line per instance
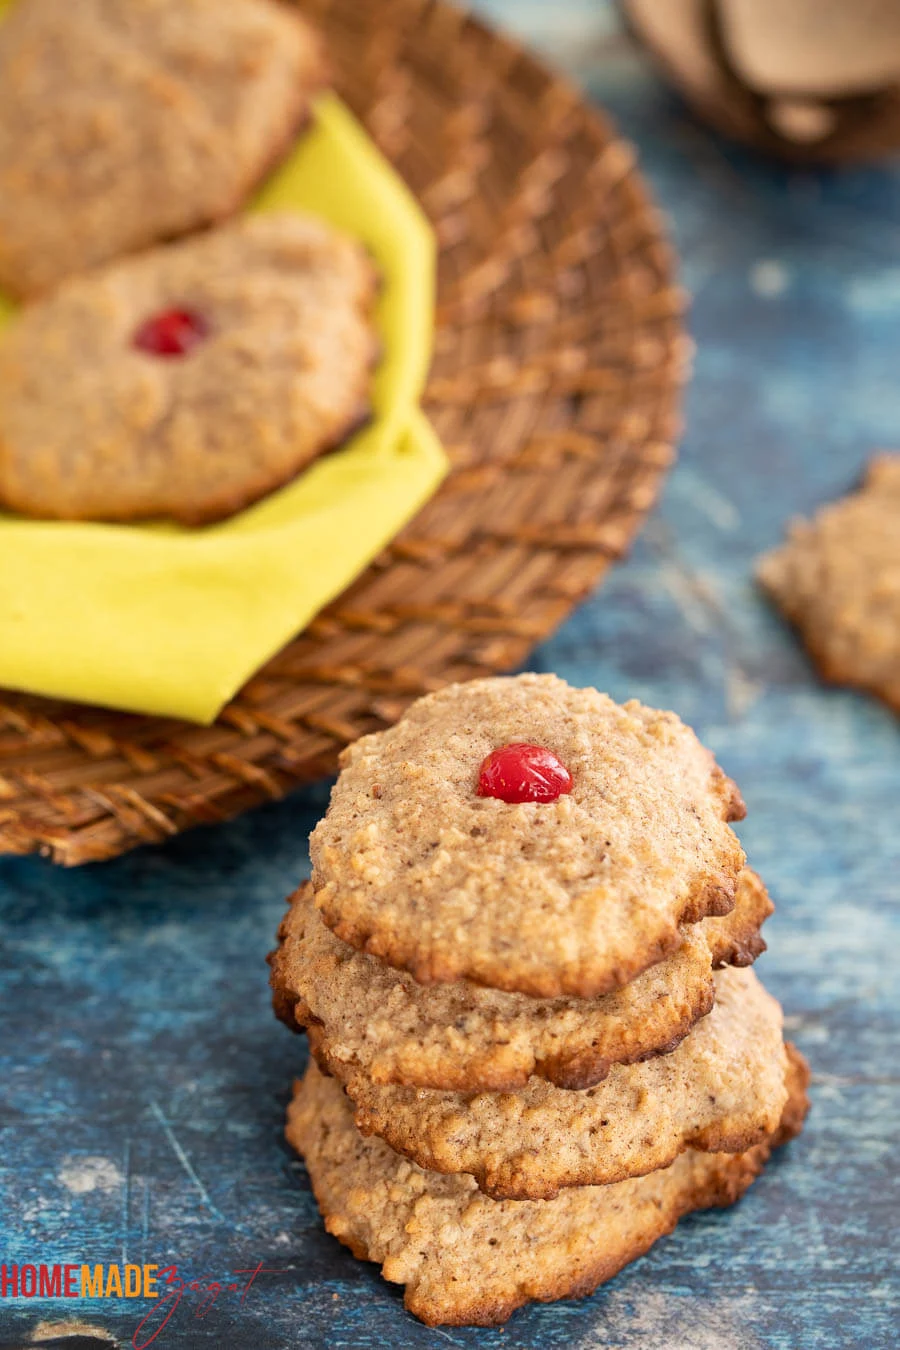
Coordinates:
144 1080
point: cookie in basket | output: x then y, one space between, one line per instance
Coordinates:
528 836
191 380
837 578
127 122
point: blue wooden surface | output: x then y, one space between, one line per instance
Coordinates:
144 1080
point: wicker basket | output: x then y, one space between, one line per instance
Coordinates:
554 388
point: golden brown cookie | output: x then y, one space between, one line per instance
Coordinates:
380 1023
189 381
735 939
838 580
465 1258
126 122
721 1090
576 893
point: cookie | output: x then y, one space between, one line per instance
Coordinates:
721 1090
382 1024
465 1258
189 381
838 580
128 122
572 894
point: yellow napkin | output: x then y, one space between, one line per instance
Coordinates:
160 619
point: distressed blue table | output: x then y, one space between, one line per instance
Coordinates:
144 1080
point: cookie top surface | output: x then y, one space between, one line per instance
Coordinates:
467 1259
721 1089
377 1021
572 896
125 122
97 423
837 578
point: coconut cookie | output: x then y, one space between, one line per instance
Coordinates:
380 1023
838 580
721 1090
528 836
126 122
465 1258
189 381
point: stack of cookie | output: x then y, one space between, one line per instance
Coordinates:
522 965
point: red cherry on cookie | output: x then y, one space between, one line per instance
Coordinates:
172 333
523 773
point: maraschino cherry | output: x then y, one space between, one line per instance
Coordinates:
523 773
172 332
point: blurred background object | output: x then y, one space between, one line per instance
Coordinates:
798 79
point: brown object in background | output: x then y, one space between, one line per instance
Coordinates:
559 355
792 78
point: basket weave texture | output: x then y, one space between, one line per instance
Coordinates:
559 355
